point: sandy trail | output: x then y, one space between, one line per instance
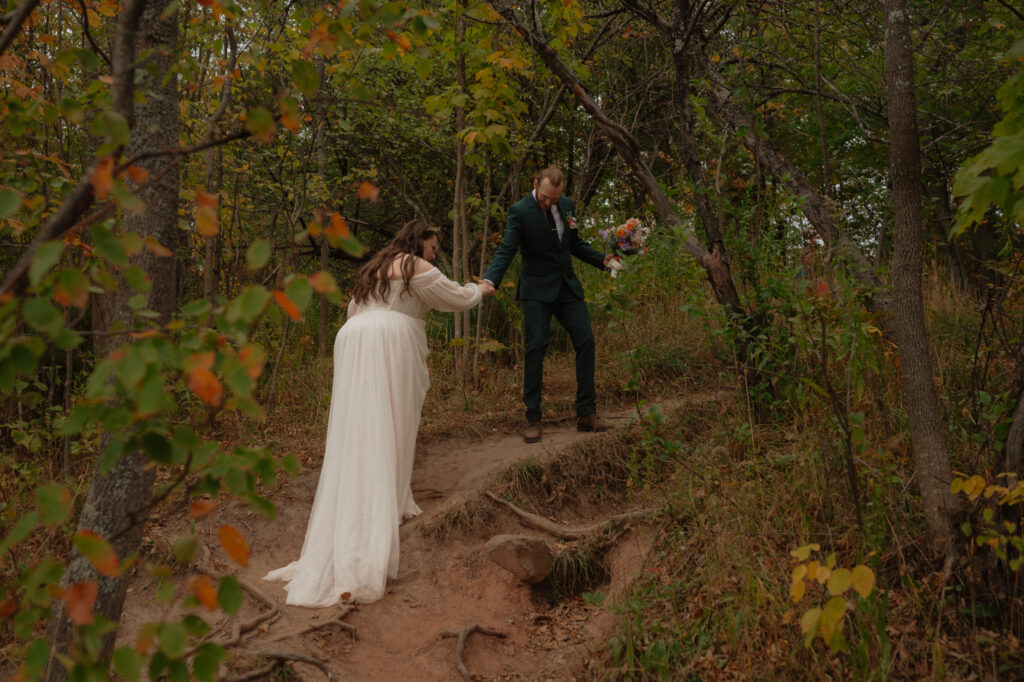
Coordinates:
444 584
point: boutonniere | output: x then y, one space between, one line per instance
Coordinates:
572 222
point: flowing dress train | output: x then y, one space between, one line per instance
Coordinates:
364 492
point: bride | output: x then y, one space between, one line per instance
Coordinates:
380 381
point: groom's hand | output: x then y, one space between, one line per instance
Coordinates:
610 257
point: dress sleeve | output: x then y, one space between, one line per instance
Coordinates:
440 293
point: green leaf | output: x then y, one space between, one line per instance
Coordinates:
112 453
43 315
45 258
229 594
196 308
54 501
423 67
306 78
195 626
107 245
173 639
25 525
261 124
10 202
128 663
185 548
300 291
111 125
88 59
208 657
248 305
258 253
157 447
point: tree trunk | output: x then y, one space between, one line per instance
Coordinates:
117 503
459 244
939 195
927 430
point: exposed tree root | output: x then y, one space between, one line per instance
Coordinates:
280 656
463 635
562 531
337 620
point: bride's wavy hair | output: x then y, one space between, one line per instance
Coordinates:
372 278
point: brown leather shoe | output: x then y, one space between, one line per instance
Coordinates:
591 422
532 433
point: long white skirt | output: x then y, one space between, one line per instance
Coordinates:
380 381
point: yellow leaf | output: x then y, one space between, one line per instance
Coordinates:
863 579
809 623
973 487
839 581
802 553
797 590
831 621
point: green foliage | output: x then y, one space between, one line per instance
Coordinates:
995 176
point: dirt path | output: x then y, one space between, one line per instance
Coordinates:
446 584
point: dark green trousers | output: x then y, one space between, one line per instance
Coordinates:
571 313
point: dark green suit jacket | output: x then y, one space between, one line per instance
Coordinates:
547 264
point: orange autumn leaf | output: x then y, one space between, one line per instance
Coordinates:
206 386
145 638
153 246
99 552
206 213
102 179
338 228
78 298
7 609
403 42
253 359
137 174
822 288
234 544
287 306
205 198
200 509
202 589
369 191
79 601
323 282
204 360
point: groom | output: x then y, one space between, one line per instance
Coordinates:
542 228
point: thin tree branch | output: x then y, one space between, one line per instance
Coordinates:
88 34
13 21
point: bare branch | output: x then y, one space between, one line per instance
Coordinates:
13 21
88 34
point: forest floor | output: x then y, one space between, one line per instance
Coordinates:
446 582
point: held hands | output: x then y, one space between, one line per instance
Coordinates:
486 288
611 257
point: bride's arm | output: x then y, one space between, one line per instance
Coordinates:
440 293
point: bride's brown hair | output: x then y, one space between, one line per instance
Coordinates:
372 278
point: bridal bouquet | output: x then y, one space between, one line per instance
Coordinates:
628 238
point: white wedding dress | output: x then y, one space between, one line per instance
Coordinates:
364 493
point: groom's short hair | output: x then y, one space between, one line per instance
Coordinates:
553 174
